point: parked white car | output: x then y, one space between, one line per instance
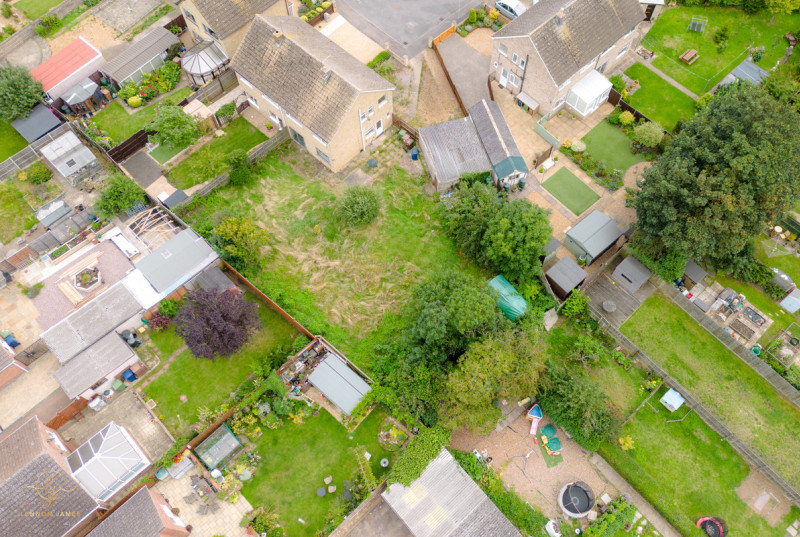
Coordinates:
510 8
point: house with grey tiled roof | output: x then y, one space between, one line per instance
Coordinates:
480 142
145 514
333 105
38 495
226 21
557 52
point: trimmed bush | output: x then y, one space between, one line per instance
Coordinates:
135 101
38 173
578 146
380 58
649 134
626 118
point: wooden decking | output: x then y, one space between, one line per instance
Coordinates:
626 302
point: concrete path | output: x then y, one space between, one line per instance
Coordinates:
30 53
644 507
468 69
416 80
671 81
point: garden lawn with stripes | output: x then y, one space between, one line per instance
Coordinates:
570 191
657 99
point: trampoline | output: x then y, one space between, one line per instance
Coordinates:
714 527
576 499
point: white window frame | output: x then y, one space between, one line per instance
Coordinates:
320 140
371 111
252 100
295 120
609 49
382 101
190 17
623 51
502 49
370 132
322 156
513 80
514 58
362 115
522 63
245 82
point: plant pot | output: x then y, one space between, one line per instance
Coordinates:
176 511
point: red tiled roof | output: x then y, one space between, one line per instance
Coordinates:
64 62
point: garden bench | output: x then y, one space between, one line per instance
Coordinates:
689 57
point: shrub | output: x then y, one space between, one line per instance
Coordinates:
135 101
626 118
758 55
325 5
792 376
240 176
358 206
774 291
160 322
128 90
38 173
617 82
226 111
170 75
5 10
578 146
237 158
472 16
380 58
48 24
463 33
169 307
576 306
494 14
119 195
480 14
422 449
722 46
721 35
649 134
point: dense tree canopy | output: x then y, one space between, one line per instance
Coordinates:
19 92
174 127
506 366
216 324
506 238
731 170
120 194
241 242
448 311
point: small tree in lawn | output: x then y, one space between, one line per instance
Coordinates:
216 324
174 127
649 134
119 195
241 241
19 92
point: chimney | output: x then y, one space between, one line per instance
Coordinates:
559 18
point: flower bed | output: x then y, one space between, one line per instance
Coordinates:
315 13
162 80
479 18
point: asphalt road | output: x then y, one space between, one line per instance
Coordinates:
406 25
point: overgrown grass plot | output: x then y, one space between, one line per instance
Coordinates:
570 191
15 214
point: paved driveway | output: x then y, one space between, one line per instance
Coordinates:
468 69
406 26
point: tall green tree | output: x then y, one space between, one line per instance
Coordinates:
466 219
731 170
506 365
19 92
174 127
515 238
449 310
120 194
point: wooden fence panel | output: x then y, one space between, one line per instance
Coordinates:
214 88
400 124
444 35
130 146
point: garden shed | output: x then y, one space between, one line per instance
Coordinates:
747 71
177 261
218 447
631 274
791 302
204 62
343 387
39 122
565 276
593 236
452 149
694 272
108 461
67 67
673 400
144 56
67 154
508 166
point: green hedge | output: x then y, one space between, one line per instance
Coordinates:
379 59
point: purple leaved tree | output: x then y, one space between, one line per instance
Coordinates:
216 324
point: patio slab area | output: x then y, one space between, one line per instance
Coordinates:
522 125
564 127
28 390
224 522
19 314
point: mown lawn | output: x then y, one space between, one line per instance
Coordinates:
769 252
206 383
211 159
669 38
571 191
11 142
725 384
120 125
608 143
349 284
295 459
15 213
34 9
687 471
657 99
